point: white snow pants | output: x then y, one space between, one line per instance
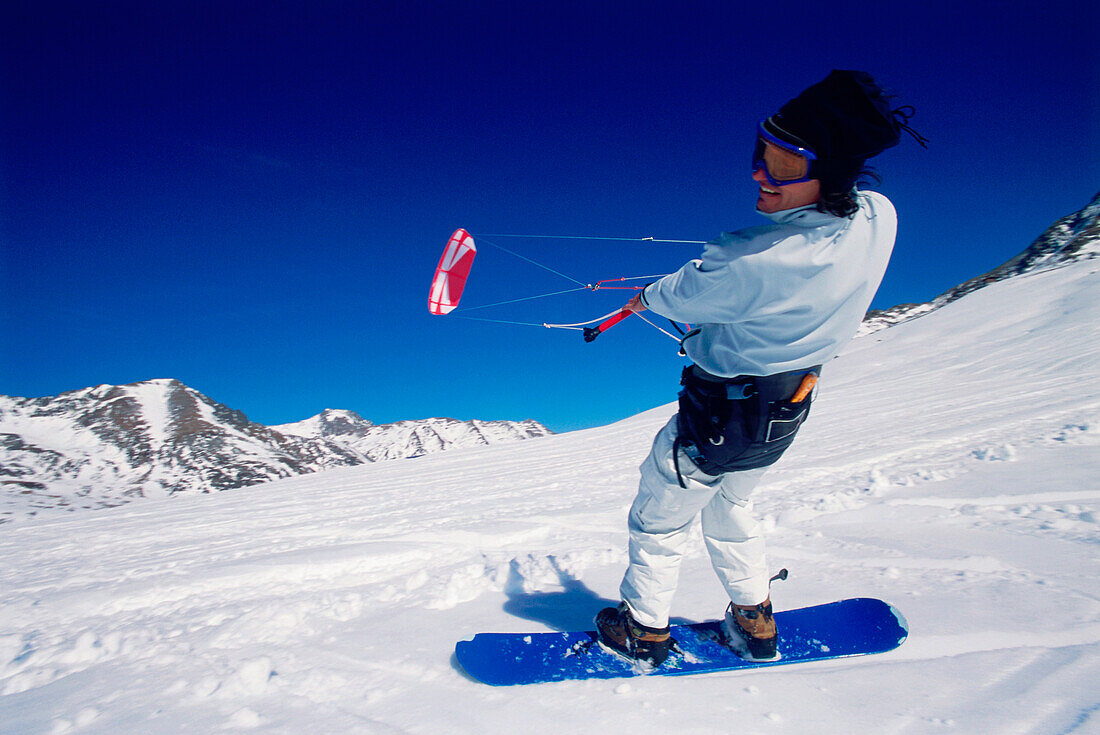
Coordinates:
660 521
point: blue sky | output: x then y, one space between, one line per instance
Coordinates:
251 197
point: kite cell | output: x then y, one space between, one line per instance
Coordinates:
450 275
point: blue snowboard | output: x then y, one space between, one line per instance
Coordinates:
852 627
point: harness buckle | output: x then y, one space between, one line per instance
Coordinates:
741 391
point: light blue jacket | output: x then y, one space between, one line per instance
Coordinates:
780 297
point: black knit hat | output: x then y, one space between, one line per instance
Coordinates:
844 119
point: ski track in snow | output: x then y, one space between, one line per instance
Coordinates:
949 466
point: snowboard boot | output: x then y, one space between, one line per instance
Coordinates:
619 631
751 631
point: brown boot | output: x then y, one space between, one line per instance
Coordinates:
751 631
620 632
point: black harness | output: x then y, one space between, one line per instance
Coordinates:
741 423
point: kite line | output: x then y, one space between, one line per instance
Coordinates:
457 259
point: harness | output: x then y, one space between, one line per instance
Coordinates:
739 423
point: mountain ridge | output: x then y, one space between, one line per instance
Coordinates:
1073 237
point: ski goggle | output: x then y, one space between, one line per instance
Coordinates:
783 163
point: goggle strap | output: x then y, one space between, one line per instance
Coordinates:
800 147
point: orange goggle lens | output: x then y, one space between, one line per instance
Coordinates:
782 165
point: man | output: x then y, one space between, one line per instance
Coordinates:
773 304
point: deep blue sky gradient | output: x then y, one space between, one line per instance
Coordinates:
251 196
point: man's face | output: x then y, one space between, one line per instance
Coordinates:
778 198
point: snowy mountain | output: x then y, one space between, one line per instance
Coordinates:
1074 237
407 439
949 467
104 446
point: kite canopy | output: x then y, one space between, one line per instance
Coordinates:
450 275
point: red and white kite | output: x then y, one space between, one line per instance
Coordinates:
450 275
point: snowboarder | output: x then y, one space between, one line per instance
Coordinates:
773 304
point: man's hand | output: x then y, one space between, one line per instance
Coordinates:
635 304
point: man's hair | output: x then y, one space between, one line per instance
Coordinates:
839 198
838 203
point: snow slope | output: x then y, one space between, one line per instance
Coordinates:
949 467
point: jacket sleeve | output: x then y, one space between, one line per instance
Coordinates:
708 290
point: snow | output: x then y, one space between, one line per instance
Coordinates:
152 398
306 429
949 467
52 434
315 426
